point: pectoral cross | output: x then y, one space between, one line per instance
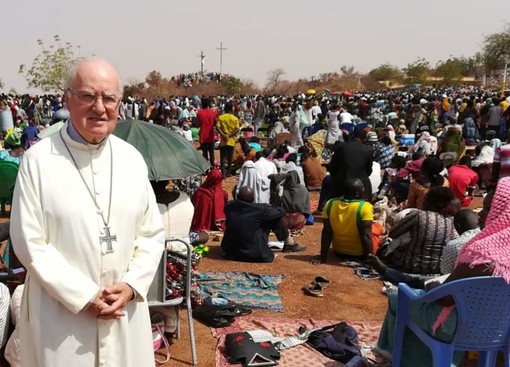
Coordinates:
108 238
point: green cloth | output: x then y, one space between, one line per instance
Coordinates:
194 133
414 352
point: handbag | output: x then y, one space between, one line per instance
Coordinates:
158 337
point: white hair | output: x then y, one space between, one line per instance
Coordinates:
73 72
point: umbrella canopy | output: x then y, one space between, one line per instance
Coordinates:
167 154
311 91
51 130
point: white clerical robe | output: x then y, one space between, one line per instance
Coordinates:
56 229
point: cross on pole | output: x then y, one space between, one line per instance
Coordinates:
221 49
108 238
202 57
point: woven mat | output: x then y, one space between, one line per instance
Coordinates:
302 355
245 289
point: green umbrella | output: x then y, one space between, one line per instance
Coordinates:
167 154
51 130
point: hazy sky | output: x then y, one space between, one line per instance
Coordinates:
304 38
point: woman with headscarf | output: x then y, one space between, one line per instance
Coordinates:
486 254
250 177
14 149
423 144
295 198
209 202
430 169
452 143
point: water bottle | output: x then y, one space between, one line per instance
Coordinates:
383 190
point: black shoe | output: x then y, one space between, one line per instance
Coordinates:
293 248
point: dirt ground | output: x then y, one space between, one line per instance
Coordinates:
348 298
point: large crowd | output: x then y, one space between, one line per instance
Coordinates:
397 172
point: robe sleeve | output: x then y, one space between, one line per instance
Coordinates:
149 246
63 282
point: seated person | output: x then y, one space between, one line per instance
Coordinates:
312 170
291 165
486 254
209 203
177 213
463 180
347 223
14 149
242 153
426 231
295 197
430 169
412 170
247 229
467 225
249 176
255 144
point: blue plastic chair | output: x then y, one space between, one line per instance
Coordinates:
483 320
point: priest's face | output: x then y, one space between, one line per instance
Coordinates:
92 98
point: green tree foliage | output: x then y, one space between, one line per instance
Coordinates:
156 84
232 85
386 72
451 70
496 49
417 71
50 67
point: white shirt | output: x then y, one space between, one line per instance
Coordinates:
345 117
265 168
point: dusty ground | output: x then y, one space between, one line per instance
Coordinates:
348 298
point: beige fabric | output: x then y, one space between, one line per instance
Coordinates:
55 230
13 347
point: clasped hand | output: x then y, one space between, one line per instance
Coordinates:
110 302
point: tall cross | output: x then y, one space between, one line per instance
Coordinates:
221 49
202 57
108 238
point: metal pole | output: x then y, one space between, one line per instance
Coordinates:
221 49
504 77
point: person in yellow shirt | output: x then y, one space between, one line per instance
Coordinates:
503 103
228 126
347 223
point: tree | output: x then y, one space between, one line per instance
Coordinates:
450 71
1 84
496 49
274 77
386 72
417 71
156 84
50 67
232 85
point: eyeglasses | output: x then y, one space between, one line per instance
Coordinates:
109 101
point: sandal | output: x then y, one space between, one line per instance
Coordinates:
322 281
314 289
